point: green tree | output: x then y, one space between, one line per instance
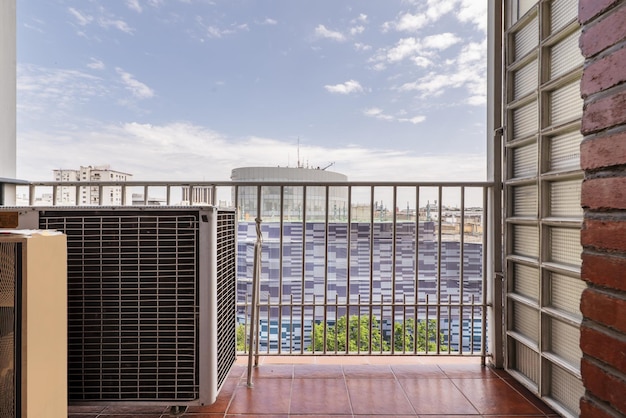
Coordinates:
358 336
242 336
357 331
405 335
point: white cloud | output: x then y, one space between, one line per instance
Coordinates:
357 30
362 47
269 21
96 64
377 113
410 23
467 71
473 12
217 32
403 49
39 87
350 86
186 150
134 5
322 32
465 11
138 89
441 41
82 18
116 24
360 19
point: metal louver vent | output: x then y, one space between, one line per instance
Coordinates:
226 291
9 273
136 306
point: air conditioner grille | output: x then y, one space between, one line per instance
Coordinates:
132 304
226 291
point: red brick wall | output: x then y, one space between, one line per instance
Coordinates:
603 158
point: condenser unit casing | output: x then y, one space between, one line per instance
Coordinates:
33 330
151 301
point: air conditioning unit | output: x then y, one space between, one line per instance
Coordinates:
151 301
33 318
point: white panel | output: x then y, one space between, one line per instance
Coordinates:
525 161
526 281
566 389
526 321
566 103
562 12
565 293
526 80
565 151
525 120
525 200
565 199
565 246
526 240
526 39
566 56
564 342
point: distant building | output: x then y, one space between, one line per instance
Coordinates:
90 195
293 196
198 195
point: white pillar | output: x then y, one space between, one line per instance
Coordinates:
7 96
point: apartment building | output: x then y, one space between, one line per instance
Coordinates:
90 195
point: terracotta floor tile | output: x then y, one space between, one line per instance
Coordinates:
135 409
319 396
436 396
278 371
417 371
317 371
223 398
526 393
378 396
495 396
367 370
467 371
268 396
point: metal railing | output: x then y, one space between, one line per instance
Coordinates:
347 268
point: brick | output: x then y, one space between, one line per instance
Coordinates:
604 73
605 234
603 151
588 9
604 113
604 309
589 409
606 33
604 385
604 270
604 193
604 347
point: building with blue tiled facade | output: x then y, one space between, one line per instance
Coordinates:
322 251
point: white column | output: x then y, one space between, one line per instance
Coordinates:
7 96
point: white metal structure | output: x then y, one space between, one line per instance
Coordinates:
8 74
151 301
33 331
542 183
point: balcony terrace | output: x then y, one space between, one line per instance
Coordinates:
396 268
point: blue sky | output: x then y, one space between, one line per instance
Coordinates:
189 89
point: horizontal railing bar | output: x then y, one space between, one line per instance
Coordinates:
156 183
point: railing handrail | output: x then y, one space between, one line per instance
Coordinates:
224 183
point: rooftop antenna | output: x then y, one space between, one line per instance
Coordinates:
328 166
298 153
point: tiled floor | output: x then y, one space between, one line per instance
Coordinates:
355 387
